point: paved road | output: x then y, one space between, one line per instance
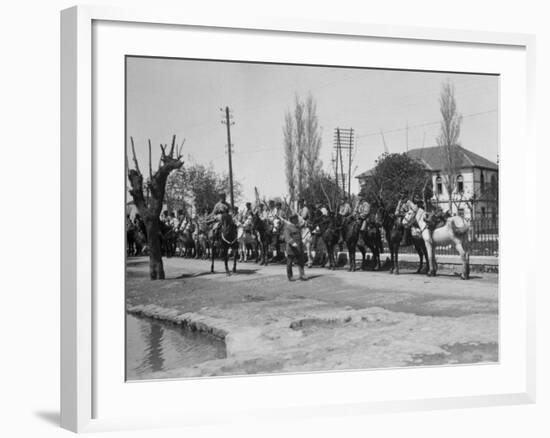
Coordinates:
335 320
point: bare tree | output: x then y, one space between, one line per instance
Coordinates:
302 141
312 140
290 155
150 208
448 139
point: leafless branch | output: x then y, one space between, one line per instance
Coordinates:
134 155
150 162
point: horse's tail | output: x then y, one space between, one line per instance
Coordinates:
459 226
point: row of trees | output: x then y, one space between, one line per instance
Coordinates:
305 176
198 186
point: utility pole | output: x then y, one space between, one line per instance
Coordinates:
341 162
228 122
349 161
343 139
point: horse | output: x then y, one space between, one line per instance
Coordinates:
330 233
135 241
453 231
248 242
307 240
168 238
185 242
227 238
201 241
372 239
351 230
276 240
394 230
263 231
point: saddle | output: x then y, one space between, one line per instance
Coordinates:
435 220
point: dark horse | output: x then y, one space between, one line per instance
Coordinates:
373 240
262 229
356 238
351 229
227 237
330 227
394 230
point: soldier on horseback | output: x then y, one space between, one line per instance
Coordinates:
303 211
362 212
400 211
345 209
219 209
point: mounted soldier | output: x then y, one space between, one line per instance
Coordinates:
294 246
403 206
219 209
303 211
345 209
165 218
362 212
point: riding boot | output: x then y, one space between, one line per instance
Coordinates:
289 271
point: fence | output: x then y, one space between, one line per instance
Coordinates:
482 238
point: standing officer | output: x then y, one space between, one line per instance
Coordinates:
294 246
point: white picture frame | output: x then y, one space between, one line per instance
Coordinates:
79 216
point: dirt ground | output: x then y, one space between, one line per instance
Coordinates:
335 320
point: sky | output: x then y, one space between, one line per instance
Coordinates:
184 97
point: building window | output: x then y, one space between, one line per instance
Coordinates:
482 182
460 183
483 211
438 185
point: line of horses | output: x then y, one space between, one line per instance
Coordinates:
260 240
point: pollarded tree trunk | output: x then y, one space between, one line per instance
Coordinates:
150 208
154 240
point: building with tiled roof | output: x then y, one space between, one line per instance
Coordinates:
476 176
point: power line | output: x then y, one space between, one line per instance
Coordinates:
372 134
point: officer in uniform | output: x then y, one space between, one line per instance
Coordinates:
303 211
165 218
294 246
400 211
220 208
362 211
345 208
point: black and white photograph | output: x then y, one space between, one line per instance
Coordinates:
289 218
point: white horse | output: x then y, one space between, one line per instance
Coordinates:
247 239
307 238
454 232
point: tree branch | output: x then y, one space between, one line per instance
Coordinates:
134 155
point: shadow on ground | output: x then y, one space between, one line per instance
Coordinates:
51 417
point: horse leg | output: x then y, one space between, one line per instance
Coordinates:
464 256
431 258
420 257
351 256
235 263
225 253
397 259
212 255
375 257
363 254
